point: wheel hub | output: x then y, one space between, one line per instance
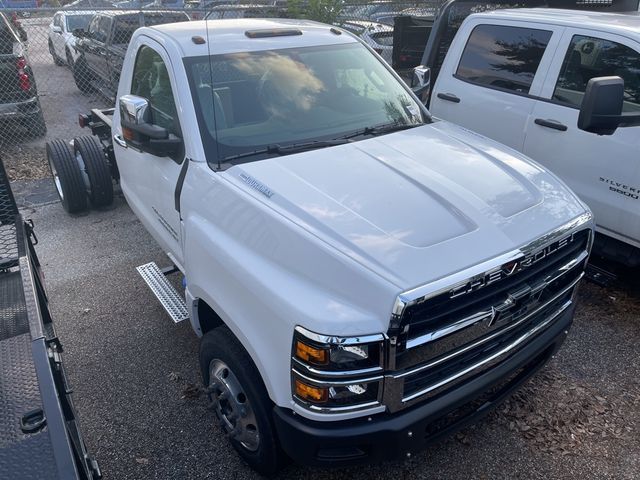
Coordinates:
232 405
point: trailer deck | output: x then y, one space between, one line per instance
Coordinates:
39 432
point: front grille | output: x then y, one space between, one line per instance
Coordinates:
463 331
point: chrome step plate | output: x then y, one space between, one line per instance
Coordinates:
170 299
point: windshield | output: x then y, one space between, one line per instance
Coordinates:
75 22
248 101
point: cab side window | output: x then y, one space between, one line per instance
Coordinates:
589 57
503 57
93 26
151 81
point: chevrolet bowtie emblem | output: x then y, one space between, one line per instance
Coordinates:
517 303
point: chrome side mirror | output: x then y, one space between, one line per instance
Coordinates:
139 131
421 81
134 110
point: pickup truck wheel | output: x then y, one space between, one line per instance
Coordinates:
90 157
57 60
240 400
69 58
82 76
67 176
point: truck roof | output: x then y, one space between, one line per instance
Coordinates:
228 35
623 23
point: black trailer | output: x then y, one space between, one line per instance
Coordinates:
39 432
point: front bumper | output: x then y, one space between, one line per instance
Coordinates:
391 436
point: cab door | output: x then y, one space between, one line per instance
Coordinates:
95 47
149 181
603 170
489 82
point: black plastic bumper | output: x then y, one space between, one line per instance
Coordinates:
386 437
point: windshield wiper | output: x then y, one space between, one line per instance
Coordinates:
383 129
288 149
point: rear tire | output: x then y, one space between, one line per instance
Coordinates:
88 152
82 76
67 176
252 433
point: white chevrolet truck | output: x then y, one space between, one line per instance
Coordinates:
365 279
519 76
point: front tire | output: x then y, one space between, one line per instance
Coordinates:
240 400
82 76
57 60
89 153
67 176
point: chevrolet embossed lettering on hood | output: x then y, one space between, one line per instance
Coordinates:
508 269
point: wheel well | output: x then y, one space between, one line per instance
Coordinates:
207 317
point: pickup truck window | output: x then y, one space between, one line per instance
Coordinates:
151 81
77 21
248 101
102 26
589 57
504 57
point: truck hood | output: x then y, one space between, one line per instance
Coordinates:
416 205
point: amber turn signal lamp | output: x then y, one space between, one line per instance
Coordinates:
307 353
311 394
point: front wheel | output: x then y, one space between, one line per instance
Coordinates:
240 400
57 60
82 76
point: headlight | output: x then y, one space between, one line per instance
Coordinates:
333 374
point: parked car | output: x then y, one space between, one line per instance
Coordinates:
245 11
62 41
366 11
521 76
101 49
376 35
88 4
19 102
365 278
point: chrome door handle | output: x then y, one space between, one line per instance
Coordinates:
119 140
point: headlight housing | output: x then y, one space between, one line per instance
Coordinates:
336 374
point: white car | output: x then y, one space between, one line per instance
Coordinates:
377 35
61 38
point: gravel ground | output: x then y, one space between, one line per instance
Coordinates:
135 377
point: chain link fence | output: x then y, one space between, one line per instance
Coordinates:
58 61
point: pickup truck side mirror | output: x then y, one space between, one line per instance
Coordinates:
601 109
421 82
140 133
56 29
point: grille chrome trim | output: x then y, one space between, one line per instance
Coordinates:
497 333
424 292
481 316
494 358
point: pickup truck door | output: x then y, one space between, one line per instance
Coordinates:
491 75
148 181
603 170
95 47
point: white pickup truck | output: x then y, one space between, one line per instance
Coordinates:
365 279
519 77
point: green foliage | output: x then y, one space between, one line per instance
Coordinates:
326 11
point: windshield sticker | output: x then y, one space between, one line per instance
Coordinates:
256 185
